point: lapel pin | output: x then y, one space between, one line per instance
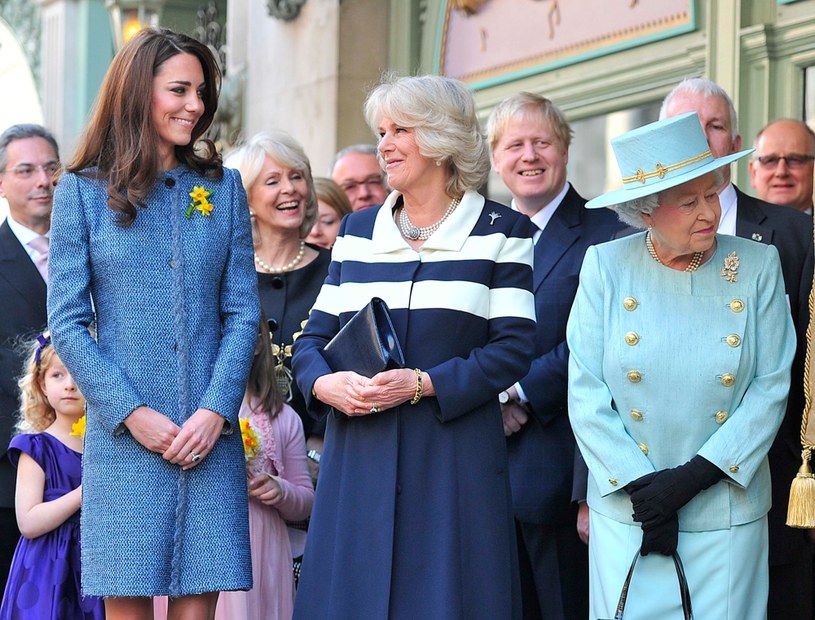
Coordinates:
494 216
757 237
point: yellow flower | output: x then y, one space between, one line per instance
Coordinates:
200 201
251 439
204 207
78 428
200 194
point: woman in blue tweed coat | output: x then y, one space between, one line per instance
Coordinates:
412 516
151 241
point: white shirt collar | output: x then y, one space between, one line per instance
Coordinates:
25 235
727 201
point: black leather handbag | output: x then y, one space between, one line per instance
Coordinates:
367 344
684 592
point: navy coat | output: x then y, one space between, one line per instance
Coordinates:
541 454
412 516
176 310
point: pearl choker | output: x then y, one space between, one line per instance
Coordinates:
410 231
693 265
287 267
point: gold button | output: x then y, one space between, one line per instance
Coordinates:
636 414
612 482
644 448
734 468
629 303
737 305
634 376
733 340
632 338
728 379
721 416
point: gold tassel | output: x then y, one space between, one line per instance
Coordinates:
801 509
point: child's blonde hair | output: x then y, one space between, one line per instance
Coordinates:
36 413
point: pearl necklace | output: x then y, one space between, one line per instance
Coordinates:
693 265
410 231
288 266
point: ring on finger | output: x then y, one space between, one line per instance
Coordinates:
374 408
195 457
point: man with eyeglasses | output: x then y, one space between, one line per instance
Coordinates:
782 165
357 171
29 158
790 553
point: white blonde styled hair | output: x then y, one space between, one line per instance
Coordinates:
249 157
441 111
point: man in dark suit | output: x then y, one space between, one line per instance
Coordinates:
530 138
790 231
28 159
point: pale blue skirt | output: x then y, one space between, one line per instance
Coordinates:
726 570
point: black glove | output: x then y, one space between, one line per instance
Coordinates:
639 483
671 489
661 538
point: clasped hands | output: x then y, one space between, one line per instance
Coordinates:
356 395
658 496
177 444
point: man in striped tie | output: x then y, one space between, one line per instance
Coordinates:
29 158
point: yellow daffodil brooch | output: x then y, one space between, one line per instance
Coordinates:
78 428
200 201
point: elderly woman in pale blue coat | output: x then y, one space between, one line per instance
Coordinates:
681 344
167 277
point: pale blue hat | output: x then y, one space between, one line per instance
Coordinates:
661 155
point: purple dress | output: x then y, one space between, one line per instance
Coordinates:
43 581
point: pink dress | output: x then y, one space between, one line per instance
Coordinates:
283 454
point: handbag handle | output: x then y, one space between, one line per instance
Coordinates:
684 591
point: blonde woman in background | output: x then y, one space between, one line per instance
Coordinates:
332 206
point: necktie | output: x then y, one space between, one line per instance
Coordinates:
41 259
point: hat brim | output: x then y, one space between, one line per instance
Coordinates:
625 194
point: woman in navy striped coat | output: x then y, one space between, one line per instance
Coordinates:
412 516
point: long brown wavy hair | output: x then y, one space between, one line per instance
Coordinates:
121 143
262 386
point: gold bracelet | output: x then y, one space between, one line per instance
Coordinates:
418 395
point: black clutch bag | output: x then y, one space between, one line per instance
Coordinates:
367 344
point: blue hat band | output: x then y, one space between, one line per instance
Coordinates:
660 171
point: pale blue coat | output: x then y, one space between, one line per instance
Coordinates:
713 369
176 310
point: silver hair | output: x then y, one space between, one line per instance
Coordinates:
249 157
708 88
442 113
21 132
631 211
362 149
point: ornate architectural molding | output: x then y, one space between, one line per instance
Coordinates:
287 10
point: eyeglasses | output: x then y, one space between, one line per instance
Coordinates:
26 171
769 162
351 187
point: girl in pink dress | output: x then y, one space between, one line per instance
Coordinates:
280 490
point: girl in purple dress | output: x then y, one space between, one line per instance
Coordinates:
44 579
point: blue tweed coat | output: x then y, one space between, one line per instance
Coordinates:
412 517
176 311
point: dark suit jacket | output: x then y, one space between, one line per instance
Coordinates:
22 314
541 453
790 231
